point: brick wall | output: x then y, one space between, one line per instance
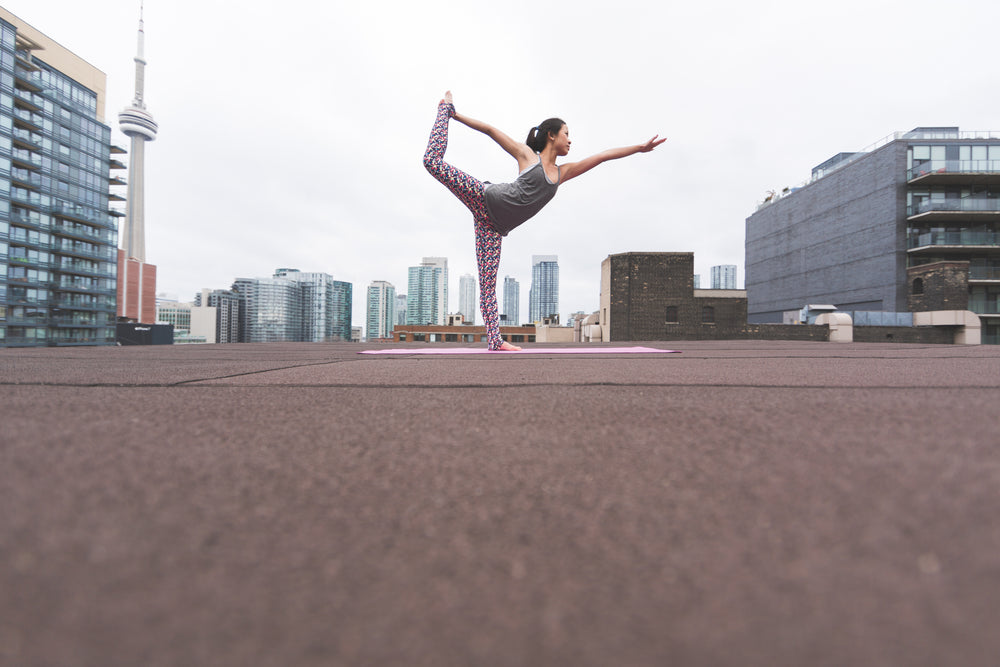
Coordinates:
938 286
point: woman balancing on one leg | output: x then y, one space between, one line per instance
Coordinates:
500 207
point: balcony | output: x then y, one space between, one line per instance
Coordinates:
984 306
25 178
27 197
955 172
76 302
26 99
85 250
27 139
964 240
79 213
23 117
943 210
83 268
27 78
26 159
21 237
984 274
83 233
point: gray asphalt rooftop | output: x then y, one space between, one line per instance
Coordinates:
739 503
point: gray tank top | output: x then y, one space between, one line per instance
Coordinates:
510 204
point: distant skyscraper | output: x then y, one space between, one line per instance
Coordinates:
228 306
295 306
136 279
697 281
467 298
511 301
543 299
724 276
58 236
427 292
381 309
400 309
325 305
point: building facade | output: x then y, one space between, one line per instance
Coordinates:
723 277
229 306
58 234
511 315
543 297
467 304
380 310
427 292
400 309
325 305
854 235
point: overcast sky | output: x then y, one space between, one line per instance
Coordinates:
291 134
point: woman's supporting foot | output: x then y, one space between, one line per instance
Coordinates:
507 347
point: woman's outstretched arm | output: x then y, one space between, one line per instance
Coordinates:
574 169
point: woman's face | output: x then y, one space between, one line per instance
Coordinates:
561 141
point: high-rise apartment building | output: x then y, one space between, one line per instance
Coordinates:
543 298
427 292
295 306
228 306
57 232
136 278
723 277
325 305
511 302
400 309
874 230
467 304
381 309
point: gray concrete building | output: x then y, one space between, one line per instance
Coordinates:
868 226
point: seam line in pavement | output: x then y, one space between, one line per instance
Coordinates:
195 384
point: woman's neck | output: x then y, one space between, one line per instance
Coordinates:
548 155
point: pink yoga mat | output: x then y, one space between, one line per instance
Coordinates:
527 350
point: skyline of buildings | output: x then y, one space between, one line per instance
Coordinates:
59 226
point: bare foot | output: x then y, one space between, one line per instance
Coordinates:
447 97
507 347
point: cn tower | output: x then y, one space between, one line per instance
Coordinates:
136 278
137 124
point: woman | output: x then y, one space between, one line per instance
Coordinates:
499 208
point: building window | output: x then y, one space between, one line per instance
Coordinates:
918 286
672 314
708 315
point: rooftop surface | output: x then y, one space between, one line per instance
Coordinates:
751 503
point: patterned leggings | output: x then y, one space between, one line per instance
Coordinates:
470 192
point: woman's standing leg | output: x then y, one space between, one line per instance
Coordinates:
488 259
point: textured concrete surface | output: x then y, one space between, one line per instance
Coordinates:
740 503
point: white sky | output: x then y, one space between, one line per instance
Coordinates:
294 138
